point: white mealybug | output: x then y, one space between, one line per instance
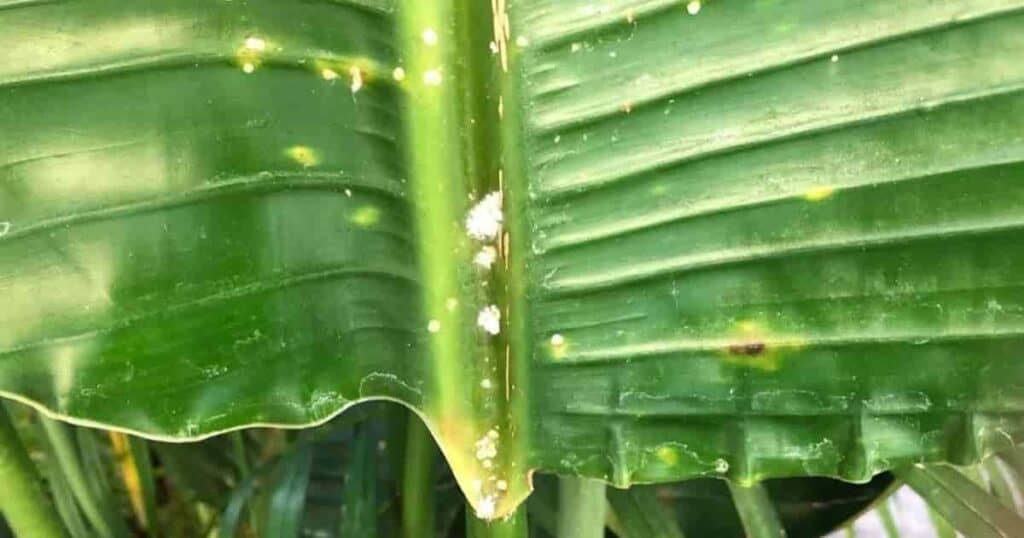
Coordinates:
489 319
484 220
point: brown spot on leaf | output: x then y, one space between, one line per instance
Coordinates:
747 349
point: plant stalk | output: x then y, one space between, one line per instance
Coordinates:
22 501
757 512
418 481
581 507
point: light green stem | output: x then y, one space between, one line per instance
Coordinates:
22 501
418 481
581 508
757 512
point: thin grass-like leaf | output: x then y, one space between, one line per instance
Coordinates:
641 514
284 512
96 508
959 500
359 502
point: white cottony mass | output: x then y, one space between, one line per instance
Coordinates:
484 220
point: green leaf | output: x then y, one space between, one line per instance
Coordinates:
359 504
284 511
961 502
231 518
744 239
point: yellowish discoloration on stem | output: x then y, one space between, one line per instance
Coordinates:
129 475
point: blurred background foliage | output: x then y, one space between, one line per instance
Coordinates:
345 478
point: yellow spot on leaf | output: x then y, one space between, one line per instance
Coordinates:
748 326
818 194
366 216
303 155
668 455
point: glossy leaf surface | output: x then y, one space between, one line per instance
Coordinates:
742 239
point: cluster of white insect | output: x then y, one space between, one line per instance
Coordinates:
484 220
486 451
489 319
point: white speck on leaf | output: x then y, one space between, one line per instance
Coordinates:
489 319
5 228
357 78
255 43
485 508
486 448
432 77
486 257
484 220
434 326
430 37
693 7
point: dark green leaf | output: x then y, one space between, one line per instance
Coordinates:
359 504
284 512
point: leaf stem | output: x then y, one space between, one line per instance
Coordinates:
581 507
22 500
757 512
417 481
